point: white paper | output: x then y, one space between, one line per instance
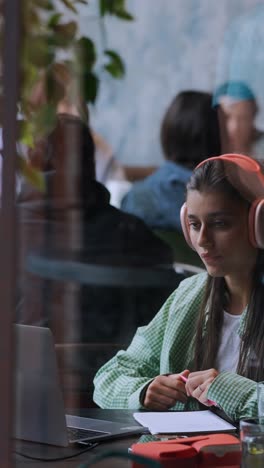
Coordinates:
182 422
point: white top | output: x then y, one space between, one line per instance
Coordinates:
228 352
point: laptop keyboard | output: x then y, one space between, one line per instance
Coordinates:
79 434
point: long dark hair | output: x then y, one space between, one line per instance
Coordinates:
211 177
190 129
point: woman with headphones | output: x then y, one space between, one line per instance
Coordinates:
205 346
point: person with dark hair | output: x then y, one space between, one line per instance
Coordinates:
205 346
240 109
189 133
108 232
75 219
74 222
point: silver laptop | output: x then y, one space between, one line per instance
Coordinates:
39 413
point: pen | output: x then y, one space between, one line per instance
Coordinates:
211 402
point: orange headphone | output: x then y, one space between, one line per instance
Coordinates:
245 174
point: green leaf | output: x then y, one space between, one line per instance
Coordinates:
69 5
115 66
29 77
119 10
122 14
90 85
32 175
119 4
103 7
26 133
108 6
38 52
54 20
86 54
64 34
115 7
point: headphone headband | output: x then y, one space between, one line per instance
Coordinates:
243 172
245 162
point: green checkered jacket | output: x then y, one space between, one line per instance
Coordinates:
164 346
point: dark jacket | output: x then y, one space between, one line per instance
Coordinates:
94 320
96 234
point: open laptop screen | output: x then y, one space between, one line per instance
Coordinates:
39 413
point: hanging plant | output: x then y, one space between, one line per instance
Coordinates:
46 33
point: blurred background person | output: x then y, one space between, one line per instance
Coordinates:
75 222
75 218
189 133
240 61
240 109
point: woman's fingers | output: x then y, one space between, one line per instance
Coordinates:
198 383
165 391
200 393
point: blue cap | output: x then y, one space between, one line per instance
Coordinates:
237 90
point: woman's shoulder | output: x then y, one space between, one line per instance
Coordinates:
198 281
191 288
185 301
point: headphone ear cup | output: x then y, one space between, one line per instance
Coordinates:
184 224
256 223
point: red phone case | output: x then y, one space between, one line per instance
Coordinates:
207 451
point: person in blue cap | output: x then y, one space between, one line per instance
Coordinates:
240 108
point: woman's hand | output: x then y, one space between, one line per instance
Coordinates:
164 391
198 383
